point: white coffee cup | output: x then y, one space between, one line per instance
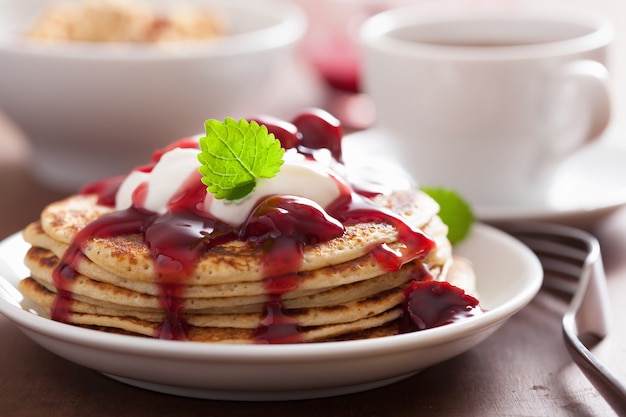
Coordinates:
488 102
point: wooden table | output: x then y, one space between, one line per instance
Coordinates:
521 370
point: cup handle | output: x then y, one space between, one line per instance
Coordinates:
593 79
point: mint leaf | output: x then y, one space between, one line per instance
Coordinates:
235 154
454 212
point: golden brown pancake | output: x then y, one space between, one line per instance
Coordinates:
235 261
312 281
42 264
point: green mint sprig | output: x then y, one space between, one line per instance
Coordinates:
454 211
235 154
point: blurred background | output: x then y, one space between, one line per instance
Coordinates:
324 70
330 49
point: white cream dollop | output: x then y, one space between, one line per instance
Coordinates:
165 179
298 176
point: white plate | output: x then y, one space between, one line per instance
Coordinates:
588 185
509 275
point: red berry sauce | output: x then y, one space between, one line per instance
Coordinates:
429 304
280 227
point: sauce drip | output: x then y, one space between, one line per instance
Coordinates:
283 225
117 223
352 208
175 239
431 304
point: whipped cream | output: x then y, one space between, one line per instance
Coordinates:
312 179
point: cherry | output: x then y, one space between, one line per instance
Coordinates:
284 131
319 130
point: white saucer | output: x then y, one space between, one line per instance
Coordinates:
589 184
508 277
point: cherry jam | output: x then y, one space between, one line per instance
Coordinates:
429 304
279 228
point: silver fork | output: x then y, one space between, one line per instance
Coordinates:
572 264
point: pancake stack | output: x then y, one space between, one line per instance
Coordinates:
341 291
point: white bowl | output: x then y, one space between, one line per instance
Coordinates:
94 110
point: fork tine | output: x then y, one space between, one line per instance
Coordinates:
561 265
591 301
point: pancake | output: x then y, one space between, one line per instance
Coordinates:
306 316
231 334
369 317
127 255
42 264
355 270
